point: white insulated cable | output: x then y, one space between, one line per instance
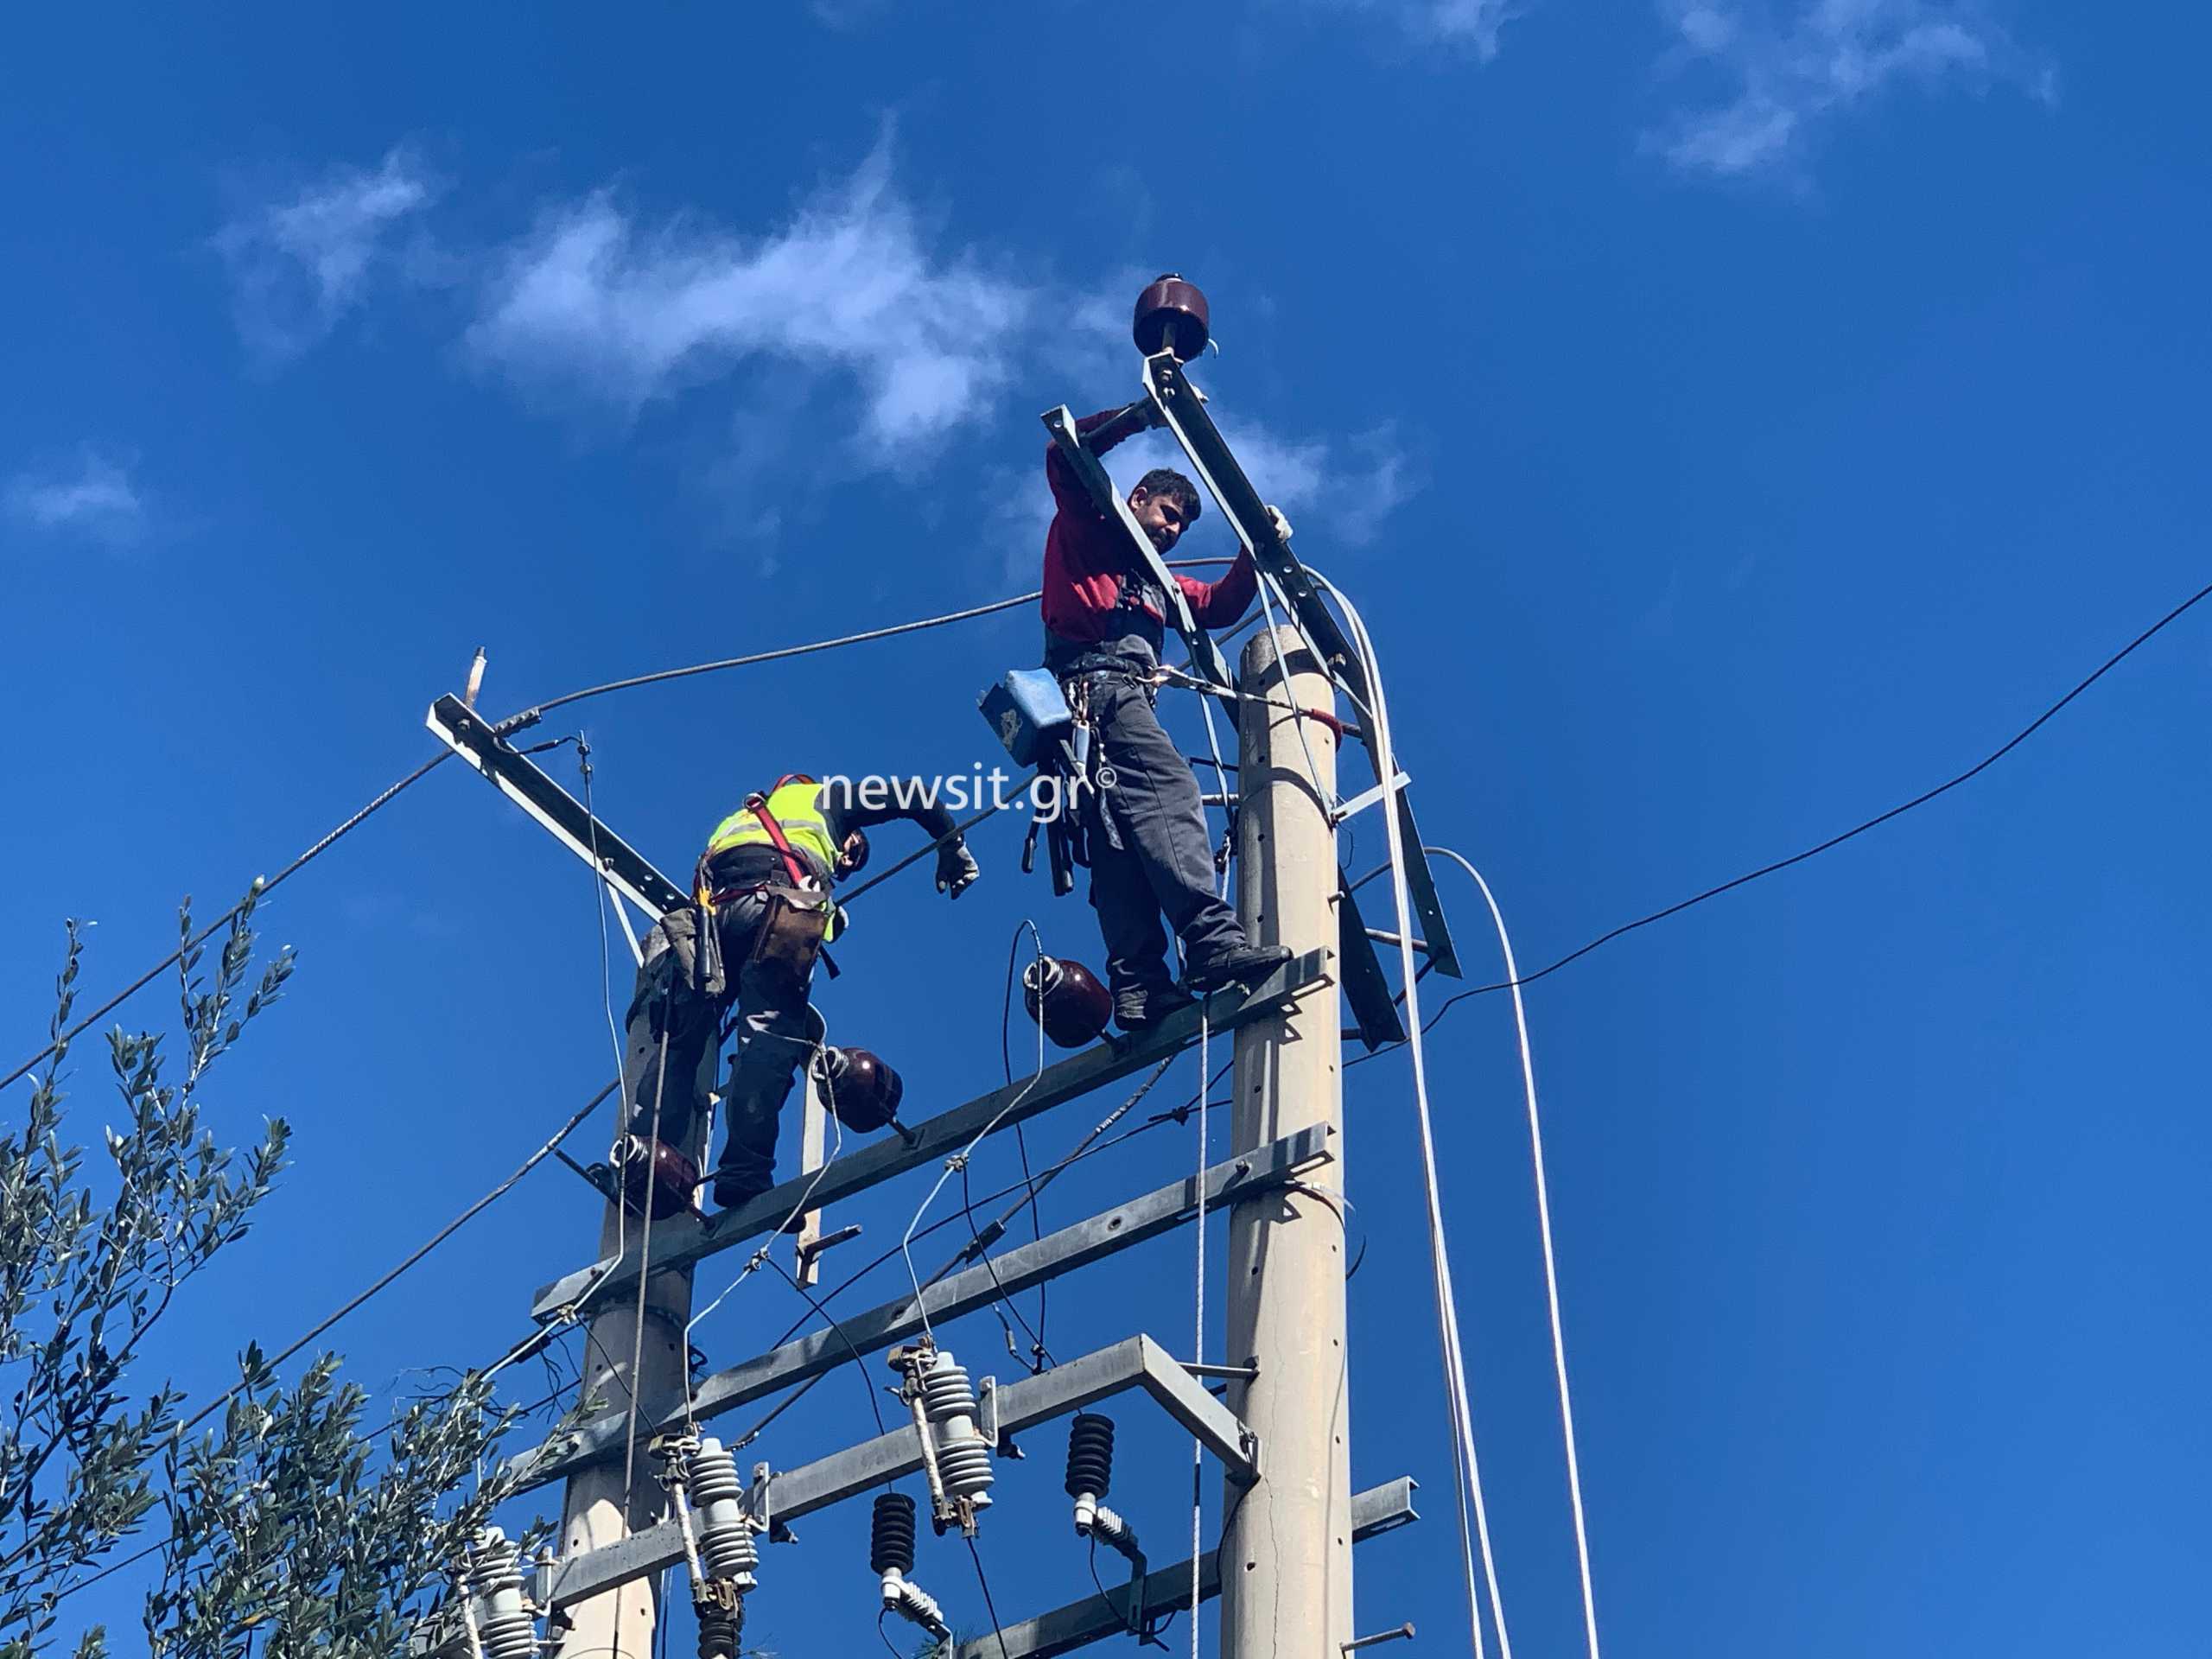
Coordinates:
1440 1255
1551 1267
1198 1340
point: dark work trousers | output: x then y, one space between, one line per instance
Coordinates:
1150 852
674 1039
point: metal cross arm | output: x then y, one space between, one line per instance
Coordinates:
623 868
1167 1589
1206 660
681 1241
1134 1363
1266 1169
1184 413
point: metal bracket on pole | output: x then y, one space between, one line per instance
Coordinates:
1097 1619
1367 798
681 1241
1205 657
1134 1363
1102 1236
813 1149
625 869
1184 410
1403 1633
1367 991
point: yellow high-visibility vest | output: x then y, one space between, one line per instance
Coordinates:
795 805
796 809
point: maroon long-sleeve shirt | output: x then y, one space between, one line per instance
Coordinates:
1096 594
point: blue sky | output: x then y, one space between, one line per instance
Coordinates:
1731 418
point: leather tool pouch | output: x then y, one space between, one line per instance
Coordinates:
791 931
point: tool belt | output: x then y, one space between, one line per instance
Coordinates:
791 931
799 912
1076 767
794 922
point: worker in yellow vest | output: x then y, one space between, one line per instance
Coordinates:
763 909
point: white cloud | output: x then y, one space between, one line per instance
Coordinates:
93 497
1474 23
1336 493
1830 56
300 265
1348 485
1469 25
849 286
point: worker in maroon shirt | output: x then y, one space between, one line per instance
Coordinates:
1150 854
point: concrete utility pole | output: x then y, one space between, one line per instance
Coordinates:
1286 1552
619 1624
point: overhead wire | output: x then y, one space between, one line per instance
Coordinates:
761 1256
989 1605
959 1161
1020 1135
646 1246
438 1238
1199 1188
1551 1264
1857 829
518 721
1513 981
1452 1349
874 1404
779 654
1088 1146
529 715
262 888
154 1544
1198 1335
600 895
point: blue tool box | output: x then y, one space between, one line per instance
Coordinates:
1029 713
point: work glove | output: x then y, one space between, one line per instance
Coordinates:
1281 523
956 868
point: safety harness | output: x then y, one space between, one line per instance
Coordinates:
801 916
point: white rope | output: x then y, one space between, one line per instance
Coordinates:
1454 1356
1198 1268
956 1162
806 1196
1551 1268
1198 1338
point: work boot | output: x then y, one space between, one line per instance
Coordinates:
1139 1011
1241 964
735 1190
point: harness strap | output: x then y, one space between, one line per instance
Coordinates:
793 865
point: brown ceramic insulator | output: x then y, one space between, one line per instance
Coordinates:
1066 999
657 1177
868 1093
1171 303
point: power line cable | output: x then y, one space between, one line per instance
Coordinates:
1040 1356
1551 1265
1876 822
530 715
515 722
1453 1352
1090 1146
420 1252
157 1544
867 1388
989 1606
518 722
262 890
